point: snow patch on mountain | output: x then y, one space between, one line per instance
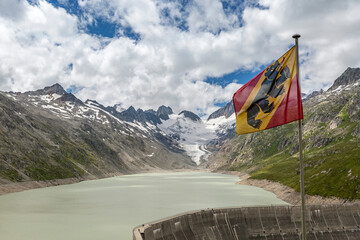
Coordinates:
185 130
195 135
49 97
190 134
221 124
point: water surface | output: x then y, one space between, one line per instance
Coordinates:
110 208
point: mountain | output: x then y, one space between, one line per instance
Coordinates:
54 89
147 116
190 115
226 111
313 94
350 76
50 134
331 136
164 112
190 132
199 138
119 108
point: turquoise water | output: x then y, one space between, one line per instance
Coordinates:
110 208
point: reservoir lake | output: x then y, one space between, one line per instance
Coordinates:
110 208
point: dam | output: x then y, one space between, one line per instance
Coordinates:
323 222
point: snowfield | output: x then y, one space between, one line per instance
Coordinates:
194 135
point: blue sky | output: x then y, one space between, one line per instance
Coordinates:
187 54
103 27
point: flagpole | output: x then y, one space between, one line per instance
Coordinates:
302 187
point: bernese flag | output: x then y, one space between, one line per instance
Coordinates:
270 99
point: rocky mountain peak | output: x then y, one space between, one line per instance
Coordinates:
118 107
131 115
351 75
150 111
190 115
163 112
226 111
313 94
54 89
148 116
69 97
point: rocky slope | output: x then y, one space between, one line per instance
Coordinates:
225 111
331 138
350 76
50 134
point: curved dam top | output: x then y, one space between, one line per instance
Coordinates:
323 222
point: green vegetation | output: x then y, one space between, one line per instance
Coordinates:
44 171
11 174
331 150
330 171
53 166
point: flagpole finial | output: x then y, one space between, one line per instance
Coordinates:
296 36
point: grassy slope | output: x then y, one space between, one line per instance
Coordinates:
327 171
332 154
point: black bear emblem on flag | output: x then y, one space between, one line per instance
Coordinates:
271 88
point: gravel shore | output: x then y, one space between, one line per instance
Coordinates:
285 193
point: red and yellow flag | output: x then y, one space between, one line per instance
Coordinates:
270 99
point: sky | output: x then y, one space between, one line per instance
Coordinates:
187 54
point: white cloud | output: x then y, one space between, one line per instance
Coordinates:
13 10
208 15
168 65
328 35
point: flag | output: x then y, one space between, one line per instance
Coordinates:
270 99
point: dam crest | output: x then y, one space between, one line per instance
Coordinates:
323 222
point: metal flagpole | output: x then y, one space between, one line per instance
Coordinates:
302 188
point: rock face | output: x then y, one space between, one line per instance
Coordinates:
226 111
190 115
331 139
164 112
147 116
54 89
130 115
313 94
350 76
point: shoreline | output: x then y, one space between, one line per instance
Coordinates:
14 187
285 193
281 191
23 186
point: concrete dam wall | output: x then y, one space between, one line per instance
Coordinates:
323 222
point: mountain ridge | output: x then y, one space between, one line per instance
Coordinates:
350 76
50 134
226 111
46 136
